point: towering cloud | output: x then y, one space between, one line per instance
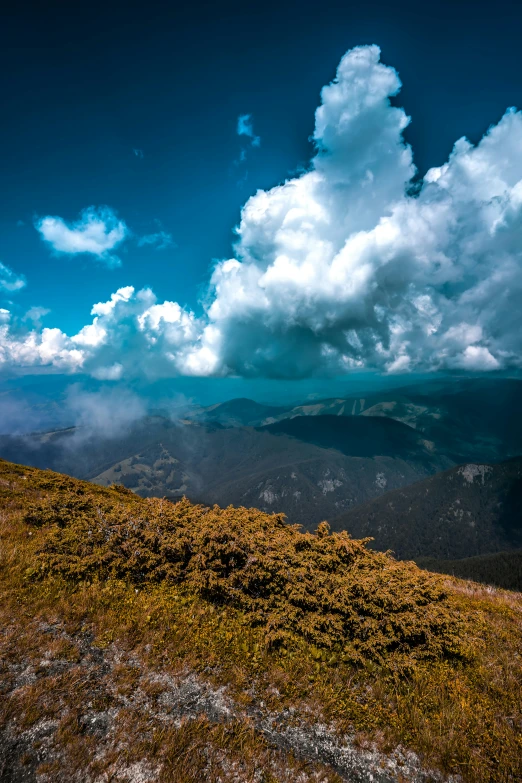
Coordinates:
341 267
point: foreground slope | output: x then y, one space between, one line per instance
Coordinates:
148 641
471 509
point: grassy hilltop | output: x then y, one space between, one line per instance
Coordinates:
149 641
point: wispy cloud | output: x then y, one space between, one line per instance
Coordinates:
161 239
35 315
97 232
138 153
9 280
245 127
105 414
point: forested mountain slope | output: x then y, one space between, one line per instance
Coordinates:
209 463
471 509
502 569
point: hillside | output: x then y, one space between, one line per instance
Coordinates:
469 510
470 419
358 436
149 641
502 569
239 412
241 465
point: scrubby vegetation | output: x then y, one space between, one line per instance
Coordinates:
328 590
311 625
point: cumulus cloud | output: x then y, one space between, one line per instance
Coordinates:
160 239
342 267
97 232
131 334
9 280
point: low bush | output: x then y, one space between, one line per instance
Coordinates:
327 589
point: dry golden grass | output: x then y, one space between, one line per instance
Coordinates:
381 649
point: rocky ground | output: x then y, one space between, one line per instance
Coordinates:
87 698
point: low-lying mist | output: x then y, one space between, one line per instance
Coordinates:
48 402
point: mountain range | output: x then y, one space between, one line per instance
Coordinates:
308 469
471 419
430 470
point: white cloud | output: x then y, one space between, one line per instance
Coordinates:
339 268
477 358
161 239
121 295
35 315
131 334
103 414
22 347
9 281
112 373
97 233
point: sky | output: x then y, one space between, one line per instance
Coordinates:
143 234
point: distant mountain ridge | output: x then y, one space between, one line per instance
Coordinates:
470 419
319 460
471 509
356 436
239 412
501 569
301 473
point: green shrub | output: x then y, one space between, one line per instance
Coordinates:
330 590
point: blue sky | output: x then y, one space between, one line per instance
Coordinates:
137 108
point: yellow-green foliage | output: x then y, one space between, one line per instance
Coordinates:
327 589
